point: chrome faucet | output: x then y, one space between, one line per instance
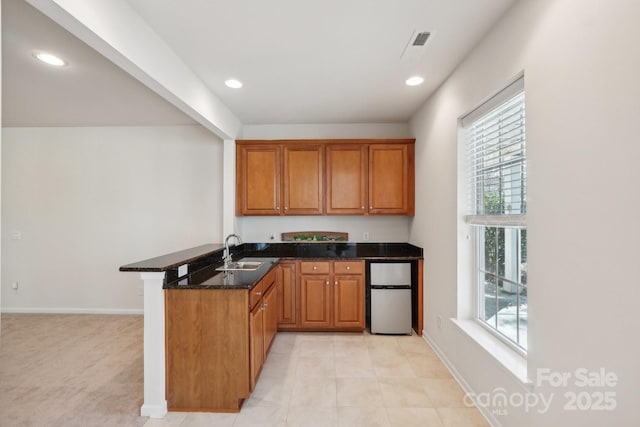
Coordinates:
227 252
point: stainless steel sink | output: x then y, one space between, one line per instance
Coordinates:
240 266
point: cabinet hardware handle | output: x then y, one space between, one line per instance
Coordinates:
258 293
327 282
370 207
348 268
315 268
362 207
335 283
286 208
277 208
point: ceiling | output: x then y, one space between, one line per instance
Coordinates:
91 91
335 61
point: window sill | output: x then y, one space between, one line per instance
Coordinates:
513 362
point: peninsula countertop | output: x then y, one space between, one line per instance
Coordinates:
334 250
201 262
209 278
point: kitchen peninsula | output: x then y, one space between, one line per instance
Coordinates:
208 332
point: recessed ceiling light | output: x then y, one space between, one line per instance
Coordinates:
414 81
50 59
233 83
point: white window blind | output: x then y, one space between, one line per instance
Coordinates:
495 135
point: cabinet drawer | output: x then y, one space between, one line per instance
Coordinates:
348 267
314 267
256 293
269 280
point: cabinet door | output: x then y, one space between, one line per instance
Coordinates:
270 318
287 293
303 180
346 170
391 176
348 301
315 301
258 180
256 345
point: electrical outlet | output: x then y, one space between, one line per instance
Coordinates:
439 322
182 270
365 236
14 285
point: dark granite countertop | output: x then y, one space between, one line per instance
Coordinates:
202 261
212 253
209 278
333 250
175 259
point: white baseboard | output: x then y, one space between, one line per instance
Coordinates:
154 411
54 310
486 412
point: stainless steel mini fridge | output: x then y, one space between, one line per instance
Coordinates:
390 297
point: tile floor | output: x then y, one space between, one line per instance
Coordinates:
346 380
71 370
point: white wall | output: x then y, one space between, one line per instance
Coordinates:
88 200
320 131
0 166
380 229
580 59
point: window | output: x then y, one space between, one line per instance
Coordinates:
495 139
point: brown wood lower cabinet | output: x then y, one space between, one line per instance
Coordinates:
263 323
270 318
320 295
331 295
348 301
203 328
216 343
256 344
315 301
287 301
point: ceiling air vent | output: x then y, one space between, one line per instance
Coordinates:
421 38
415 47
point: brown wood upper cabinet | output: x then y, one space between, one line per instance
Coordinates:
370 179
325 177
391 179
279 179
347 179
258 179
302 179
